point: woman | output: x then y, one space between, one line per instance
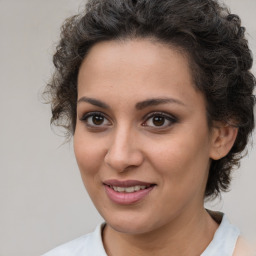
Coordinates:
158 98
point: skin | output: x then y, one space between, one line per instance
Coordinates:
127 145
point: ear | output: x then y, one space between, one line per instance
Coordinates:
222 139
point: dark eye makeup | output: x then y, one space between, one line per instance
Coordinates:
95 119
153 120
159 120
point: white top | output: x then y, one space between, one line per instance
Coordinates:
223 243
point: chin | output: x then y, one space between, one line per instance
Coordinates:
127 228
130 224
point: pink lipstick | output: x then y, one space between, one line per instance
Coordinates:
128 191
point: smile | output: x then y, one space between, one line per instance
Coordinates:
127 192
129 189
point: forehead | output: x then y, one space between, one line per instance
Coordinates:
141 53
141 68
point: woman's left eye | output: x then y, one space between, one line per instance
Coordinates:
159 120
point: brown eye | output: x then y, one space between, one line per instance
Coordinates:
95 119
158 120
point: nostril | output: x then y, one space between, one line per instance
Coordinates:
123 160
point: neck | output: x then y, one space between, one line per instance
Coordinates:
189 234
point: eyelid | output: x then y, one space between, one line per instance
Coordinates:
168 116
90 114
160 113
171 118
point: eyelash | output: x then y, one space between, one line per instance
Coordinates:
93 114
167 117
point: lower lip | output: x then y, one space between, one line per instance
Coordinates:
127 198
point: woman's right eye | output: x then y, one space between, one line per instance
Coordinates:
95 120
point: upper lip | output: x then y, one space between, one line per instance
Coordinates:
126 183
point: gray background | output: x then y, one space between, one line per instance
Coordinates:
42 199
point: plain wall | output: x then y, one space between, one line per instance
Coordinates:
42 198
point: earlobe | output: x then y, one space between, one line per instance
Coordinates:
223 139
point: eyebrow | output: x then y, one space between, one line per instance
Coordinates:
157 101
139 106
94 102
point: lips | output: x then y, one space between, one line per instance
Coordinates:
126 183
128 191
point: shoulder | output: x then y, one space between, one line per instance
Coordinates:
72 247
243 248
225 237
86 245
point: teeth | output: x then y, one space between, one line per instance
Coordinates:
119 189
136 188
129 189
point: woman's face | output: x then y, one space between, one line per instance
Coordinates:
142 142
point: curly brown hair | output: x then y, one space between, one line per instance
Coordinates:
206 31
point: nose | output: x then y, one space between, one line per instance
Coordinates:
123 151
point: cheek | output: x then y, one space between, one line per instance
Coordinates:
183 169
183 161
89 154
